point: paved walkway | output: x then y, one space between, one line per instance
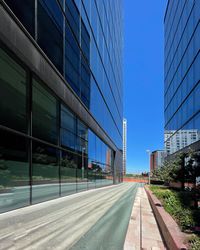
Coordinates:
92 220
143 232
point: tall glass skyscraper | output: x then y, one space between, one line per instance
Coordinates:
61 98
182 75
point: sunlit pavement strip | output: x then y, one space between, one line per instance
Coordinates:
143 232
110 230
57 224
132 241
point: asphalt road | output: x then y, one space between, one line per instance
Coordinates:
97 219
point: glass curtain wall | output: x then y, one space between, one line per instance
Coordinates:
182 75
83 40
45 150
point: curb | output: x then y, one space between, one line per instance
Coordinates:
173 237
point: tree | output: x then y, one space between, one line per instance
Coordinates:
173 170
65 162
180 168
193 166
167 173
193 172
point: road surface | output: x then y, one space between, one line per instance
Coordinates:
96 219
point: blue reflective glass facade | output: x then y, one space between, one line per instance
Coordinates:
103 20
83 39
182 74
71 137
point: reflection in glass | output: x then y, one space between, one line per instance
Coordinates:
100 161
73 16
45 173
91 175
91 145
81 145
25 12
12 94
68 173
85 83
182 102
197 123
107 175
72 51
176 140
14 172
68 128
67 139
82 130
50 31
68 120
44 114
82 173
99 176
77 72
100 51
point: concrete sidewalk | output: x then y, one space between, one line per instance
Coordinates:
143 232
62 223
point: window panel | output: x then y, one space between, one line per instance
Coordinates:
45 174
12 94
196 98
68 120
73 17
82 173
85 41
14 172
91 145
99 176
25 12
72 51
91 176
68 173
81 145
68 139
85 83
197 122
82 130
50 31
44 114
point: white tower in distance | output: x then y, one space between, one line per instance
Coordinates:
124 145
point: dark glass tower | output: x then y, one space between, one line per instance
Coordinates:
182 75
60 98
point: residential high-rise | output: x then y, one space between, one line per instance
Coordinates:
156 159
124 145
60 98
182 139
182 75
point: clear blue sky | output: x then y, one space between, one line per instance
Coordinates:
143 80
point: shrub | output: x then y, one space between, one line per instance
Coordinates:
172 203
194 243
185 218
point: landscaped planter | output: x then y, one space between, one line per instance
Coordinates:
173 237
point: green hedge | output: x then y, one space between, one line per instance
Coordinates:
178 204
194 243
173 202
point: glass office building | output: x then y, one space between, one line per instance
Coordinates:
60 98
182 75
